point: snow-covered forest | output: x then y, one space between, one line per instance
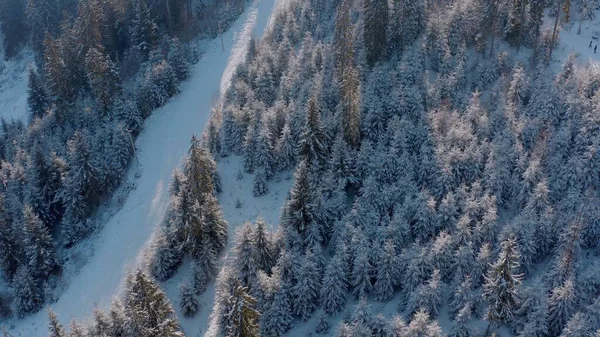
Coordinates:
444 158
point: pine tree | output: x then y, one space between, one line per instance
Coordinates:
301 210
245 262
387 273
103 77
9 247
148 309
143 34
117 320
322 327
243 316
376 21
262 247
335 285
29 296
55 328
36 95
101 324
81 187
500 288
306 290
362 268
312 146
200 171
78 330
286 150
428 296
165 257
215 225
562 304
38 245
461 327
188 303
277 318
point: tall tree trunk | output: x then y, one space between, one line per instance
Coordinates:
555 27
521 24
494 19
583 8
169 17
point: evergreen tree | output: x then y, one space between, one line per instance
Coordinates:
428 296
312 140
562 305
277 318
188 303
55 328
36 95
246 265
28 295
78 330
362 268
103 77
38 245
286 150
387 273
148 309
165 257
143 32
262 247
334 288
376 21
500 288
306 290
243 316
301 212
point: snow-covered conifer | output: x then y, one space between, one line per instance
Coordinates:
188 302
500 288
306 290
55 328
562 304
335 285
428 296
387 269
245 262
362 269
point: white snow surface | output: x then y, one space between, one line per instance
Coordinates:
571 40
13 85
161 147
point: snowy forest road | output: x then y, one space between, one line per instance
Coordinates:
161 147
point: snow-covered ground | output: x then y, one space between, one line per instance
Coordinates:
571 40
13 85
161 147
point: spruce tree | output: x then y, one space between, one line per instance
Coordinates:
562 304
277 319
500 288
55 329
28 295
243 316
36 95
312 139
188 303
362 268
387 273
306 290
335 286
262 247
245 262
374 33
286 150
38 245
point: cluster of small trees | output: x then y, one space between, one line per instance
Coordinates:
91 58
194 226
430 165
143 310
